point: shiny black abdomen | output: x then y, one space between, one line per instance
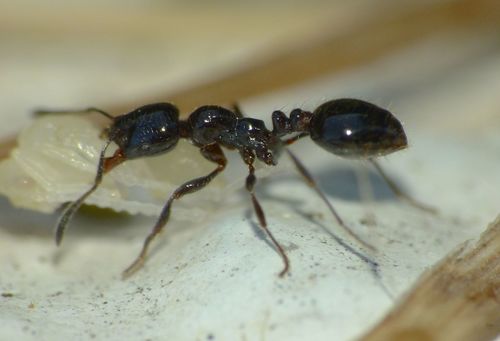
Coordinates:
353 128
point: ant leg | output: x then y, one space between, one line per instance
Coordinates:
211 152
237 110
83 111
104 166
294 139
398 192
248 158
312 183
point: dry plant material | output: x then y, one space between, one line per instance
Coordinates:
459 299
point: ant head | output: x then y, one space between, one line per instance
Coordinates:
146 131
356 129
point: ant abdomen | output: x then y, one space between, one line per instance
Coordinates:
147 131
354 128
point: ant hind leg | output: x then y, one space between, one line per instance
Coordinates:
312 183
400 193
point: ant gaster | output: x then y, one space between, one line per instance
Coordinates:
349 128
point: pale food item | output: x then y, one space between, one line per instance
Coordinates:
56 161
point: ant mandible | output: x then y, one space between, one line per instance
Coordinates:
349 128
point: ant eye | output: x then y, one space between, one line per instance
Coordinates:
354 128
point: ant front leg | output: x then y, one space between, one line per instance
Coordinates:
211 152
249 158
105 165
400 193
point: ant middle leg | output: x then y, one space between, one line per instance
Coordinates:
249 158
312 183
211 152
398 192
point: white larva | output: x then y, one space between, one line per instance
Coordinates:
56 159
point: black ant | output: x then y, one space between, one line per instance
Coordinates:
349 128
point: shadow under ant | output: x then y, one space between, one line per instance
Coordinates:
18 221
97 221
296 205
339 182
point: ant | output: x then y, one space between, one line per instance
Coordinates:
350 128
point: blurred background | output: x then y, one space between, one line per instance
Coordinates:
120 54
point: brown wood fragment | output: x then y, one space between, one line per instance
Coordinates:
459 299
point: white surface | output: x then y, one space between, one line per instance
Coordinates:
217 280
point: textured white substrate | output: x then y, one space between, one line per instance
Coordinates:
217 279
